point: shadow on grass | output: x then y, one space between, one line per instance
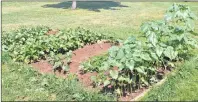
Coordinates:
89 5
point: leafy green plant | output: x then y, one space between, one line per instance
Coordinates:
134 67
175 30
135 64
33 44
93 64
25 43
60 61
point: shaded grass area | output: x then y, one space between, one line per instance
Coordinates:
89 5
180 85
21 82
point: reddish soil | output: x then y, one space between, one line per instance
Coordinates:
43 66
46 68
52 32
79 55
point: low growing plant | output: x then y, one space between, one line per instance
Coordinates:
93 64
60 60
33 44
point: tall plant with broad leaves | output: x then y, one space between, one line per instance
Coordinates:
134 67
173 35
180 21
135 63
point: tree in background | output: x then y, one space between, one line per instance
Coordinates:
73 4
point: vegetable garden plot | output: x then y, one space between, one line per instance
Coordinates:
129 68
78 56
139 62
33 44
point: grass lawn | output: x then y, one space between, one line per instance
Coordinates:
119 20
20 82
180 85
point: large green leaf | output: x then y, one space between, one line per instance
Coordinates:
153 38
145 56
170 53
130 40
121 78
154 56
159 51
113 51
130 64
114 74
120 54
106 82
141 70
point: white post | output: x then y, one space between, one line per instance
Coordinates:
74 4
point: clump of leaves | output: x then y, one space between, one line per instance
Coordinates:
138 62
60 60
32 44
174 31
25 44
93 64
134 66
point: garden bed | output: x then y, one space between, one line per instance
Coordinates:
127 71
80 55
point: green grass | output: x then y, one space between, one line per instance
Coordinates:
21 82
106 17
180 85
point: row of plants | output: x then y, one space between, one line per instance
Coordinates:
33 44
135 63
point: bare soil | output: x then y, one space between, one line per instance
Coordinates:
52 32
80 55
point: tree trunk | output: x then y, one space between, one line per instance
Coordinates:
73 4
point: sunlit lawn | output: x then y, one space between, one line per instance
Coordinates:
117 19
120 20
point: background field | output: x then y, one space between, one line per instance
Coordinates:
117 19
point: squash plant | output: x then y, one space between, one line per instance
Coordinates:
134 66
174 31
137 62
180 20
